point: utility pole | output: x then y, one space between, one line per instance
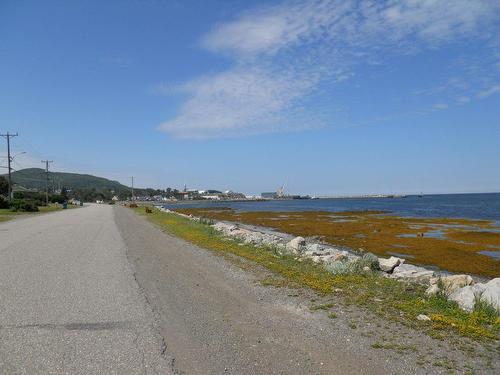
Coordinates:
47 180
9 160
133 196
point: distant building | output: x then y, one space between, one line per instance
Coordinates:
269 195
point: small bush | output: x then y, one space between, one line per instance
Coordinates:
133 205
148 210
4 203
206 221
340 267
346 267
485 310
368 260
24 205
57 198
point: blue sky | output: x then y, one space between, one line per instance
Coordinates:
329 97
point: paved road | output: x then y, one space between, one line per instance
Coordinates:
100 290
69 303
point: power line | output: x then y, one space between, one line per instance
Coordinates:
47 162
8 136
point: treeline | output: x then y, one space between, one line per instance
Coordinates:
26 201
30 201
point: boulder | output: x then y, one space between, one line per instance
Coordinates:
466 296
315 248
411 272
423 318
321 258
340 256
296 245
491 293
454 282
388 265
432 290
253 237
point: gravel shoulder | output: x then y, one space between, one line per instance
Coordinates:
215 317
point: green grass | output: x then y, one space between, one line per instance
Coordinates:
7 214
326 306
400 348
391 299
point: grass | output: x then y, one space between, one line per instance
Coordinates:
389 298
7 214
400 348
326 306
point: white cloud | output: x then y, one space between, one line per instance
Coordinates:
283 53
236 102
463 100
489 91
440 106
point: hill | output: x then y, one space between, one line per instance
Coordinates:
34 178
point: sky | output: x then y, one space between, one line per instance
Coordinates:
327 97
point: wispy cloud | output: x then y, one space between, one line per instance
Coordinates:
489 91
440 106
282 54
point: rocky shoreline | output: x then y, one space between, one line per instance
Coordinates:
461 288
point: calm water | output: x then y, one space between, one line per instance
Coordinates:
471 206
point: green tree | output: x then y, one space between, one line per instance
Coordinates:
4 186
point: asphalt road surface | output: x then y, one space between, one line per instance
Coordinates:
101 290
69 303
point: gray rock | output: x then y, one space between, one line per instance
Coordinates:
318 258
466 296
432 290
491 293
454 282
423 318
340 256
296 245
314 248
411 272
388 264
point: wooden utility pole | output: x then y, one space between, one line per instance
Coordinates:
9 160
133 196
47 180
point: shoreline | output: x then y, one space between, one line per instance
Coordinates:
366 284
288 237
464 289
453 245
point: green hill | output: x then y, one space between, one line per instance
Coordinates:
34 178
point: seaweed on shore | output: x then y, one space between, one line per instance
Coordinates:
450 244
